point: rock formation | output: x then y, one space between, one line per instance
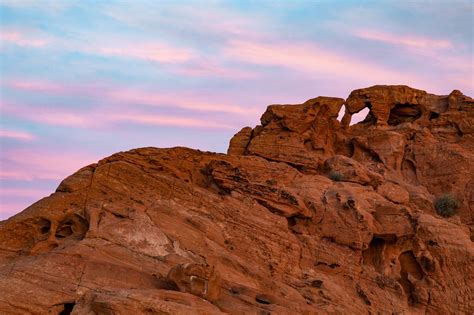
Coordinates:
304 215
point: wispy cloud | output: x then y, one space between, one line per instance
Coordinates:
408 41
48 116
129 96
33 164
17 135
52 6
183 60
162 120
151 51
204 67
310 58
23 192
154 51
10 208
107 117
21 39
190 102
37 86
13 200
182 19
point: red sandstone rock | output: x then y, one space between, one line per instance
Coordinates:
267 228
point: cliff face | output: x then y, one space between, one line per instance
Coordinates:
304 215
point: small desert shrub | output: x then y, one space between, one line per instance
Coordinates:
335 176
446 205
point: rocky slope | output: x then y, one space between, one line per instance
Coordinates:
304 215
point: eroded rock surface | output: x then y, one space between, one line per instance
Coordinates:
305 215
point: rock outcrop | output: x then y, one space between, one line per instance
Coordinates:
304 215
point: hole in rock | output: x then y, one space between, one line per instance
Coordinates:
308 145
317 283
363 295
402 113
166 284
360 116
64 231
342 112
44 226
118 215
433 115
74 226
350 149
291 222
235 291
298 167
288 197
45 229
322 263
68 308
373 255
263 299
198 284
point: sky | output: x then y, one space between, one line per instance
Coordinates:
81 80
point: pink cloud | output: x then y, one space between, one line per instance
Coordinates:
315 61
20 39
455 66
179 101
209 68
17 135
13 200
163 120
158 52
128 96
146 50
57 117
8 209
305 57
25 164
409 41
184 61
102 117
54 88
190 16
37 86
24 192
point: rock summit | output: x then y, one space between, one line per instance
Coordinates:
304 215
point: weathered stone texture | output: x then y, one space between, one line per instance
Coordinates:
305 215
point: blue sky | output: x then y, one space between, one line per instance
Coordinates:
81 80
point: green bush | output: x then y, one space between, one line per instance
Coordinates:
335 176
446 205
